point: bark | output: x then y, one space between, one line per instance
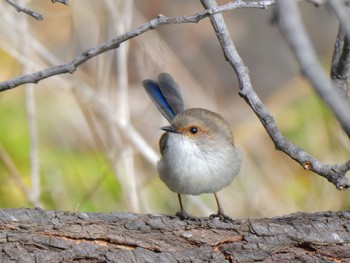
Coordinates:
34 235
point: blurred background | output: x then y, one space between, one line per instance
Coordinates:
89 141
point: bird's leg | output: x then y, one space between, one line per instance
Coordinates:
183 214
221 215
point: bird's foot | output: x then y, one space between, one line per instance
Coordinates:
222 217
184 216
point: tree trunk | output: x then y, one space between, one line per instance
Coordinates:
34 235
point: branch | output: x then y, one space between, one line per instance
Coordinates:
333 173
19 8
31 13
34 235
340 71
341 10
339 68
290 23
65 2
71 66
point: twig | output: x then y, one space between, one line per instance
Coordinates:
340 71
65 2
290 23
19 8
333 173
71 66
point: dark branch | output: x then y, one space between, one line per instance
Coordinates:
333 173
65 2
19 8
340 71
341 10
337 69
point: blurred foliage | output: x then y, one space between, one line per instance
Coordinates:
71 178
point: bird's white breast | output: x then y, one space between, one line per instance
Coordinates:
187 168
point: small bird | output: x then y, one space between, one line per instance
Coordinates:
197 148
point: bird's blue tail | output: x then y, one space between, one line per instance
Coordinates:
165 94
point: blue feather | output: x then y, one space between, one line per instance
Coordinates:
154 92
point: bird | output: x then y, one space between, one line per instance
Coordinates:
198 154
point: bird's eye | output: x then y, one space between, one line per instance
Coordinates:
193 130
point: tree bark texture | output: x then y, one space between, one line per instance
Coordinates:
34 235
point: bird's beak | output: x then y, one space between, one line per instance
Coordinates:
169 128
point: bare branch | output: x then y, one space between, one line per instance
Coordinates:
333 173
71 66
337 68
31 13
341 10
65 2
340 71
19 8
292 27
316 2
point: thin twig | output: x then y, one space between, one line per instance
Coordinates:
333 173
19 8
65 2
71 66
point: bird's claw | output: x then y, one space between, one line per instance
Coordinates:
184 216
222 217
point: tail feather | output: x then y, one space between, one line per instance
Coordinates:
165 94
